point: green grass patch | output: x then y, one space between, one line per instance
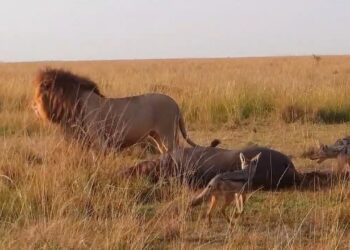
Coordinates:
219 112
331 114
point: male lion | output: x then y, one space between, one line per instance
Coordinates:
76 105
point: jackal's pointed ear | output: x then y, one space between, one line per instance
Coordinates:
255 159
242 157
323 147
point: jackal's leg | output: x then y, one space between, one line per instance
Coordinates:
241 200
211 206
228 200
239 203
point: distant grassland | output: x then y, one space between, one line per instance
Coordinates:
54 195
213 91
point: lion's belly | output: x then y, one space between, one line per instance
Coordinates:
128 121
125 133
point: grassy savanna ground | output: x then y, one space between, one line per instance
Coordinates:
53 195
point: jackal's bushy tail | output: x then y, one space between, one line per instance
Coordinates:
203 196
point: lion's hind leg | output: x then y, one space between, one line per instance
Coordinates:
169 137
159 142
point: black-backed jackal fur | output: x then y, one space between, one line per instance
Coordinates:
229 186
340 150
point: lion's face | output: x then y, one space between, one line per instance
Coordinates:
39 105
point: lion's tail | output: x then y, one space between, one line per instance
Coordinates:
182 126
184 132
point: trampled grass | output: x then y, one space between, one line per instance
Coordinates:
54 195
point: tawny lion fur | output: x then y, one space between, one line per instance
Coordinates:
77 105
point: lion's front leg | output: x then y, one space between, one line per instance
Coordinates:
95 135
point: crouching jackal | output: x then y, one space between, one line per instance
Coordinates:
229 186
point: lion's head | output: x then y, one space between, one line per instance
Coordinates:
57 94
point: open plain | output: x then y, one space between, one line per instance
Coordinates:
54 195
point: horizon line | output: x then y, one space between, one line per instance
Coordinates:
174 58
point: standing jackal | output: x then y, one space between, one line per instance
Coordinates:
229 186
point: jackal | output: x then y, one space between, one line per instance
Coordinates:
229 186
340 150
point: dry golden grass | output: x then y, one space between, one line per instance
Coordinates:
53 195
